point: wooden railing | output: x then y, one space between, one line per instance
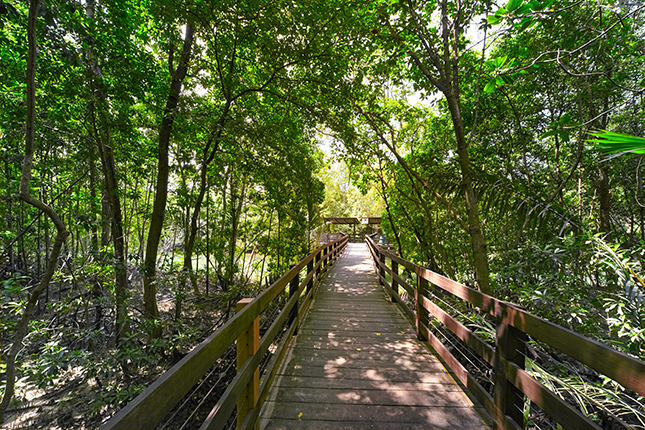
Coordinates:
244 392
512 383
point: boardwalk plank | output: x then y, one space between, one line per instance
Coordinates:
438 379
391 397
356 364
437 417
300 424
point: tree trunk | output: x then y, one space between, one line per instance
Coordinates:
477 240
94 230
236 210
161 195
120 270
209 155
604 199
111 195
395 230
25 195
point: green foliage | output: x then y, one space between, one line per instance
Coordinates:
522 11
597 400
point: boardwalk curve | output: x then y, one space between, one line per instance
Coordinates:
356 364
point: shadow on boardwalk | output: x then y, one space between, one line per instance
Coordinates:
356 364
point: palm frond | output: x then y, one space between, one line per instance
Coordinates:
617 143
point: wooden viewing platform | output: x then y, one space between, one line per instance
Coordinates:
357 364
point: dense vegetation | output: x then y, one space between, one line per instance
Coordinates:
160 159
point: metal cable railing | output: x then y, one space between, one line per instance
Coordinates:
205 390
526 371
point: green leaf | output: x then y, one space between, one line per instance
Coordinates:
548 134
525 23
525 9
493 19
545 4
513 4
499 61
490 86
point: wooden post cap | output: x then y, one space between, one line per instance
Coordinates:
242 303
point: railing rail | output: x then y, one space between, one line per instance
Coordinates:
512 382
149 408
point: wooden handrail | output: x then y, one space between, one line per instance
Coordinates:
507 357
151 406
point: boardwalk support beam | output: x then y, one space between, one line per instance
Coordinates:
310 269
293 290
247 345
395 284
510 345
422 312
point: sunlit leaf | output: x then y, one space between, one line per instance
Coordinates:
490 86
493 19
513 4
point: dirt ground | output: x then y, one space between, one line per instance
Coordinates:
71 402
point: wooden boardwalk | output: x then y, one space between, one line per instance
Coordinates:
356 364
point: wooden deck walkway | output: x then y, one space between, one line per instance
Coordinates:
356 364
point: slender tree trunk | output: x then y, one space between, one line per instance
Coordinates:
236 211
604 199
9 212
384 188
120 269
264 256
208 242
142 226
25 195
94 231
278 244
161 195
477 240
209 155
106 228
602 183
98 106
21 242
641 214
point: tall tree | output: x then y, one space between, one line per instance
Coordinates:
25 195
161 194
99 114
432 36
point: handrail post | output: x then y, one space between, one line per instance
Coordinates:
318 261
293 290
310 269
247 345
381 269
395 285
372 259
422 313
510 344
